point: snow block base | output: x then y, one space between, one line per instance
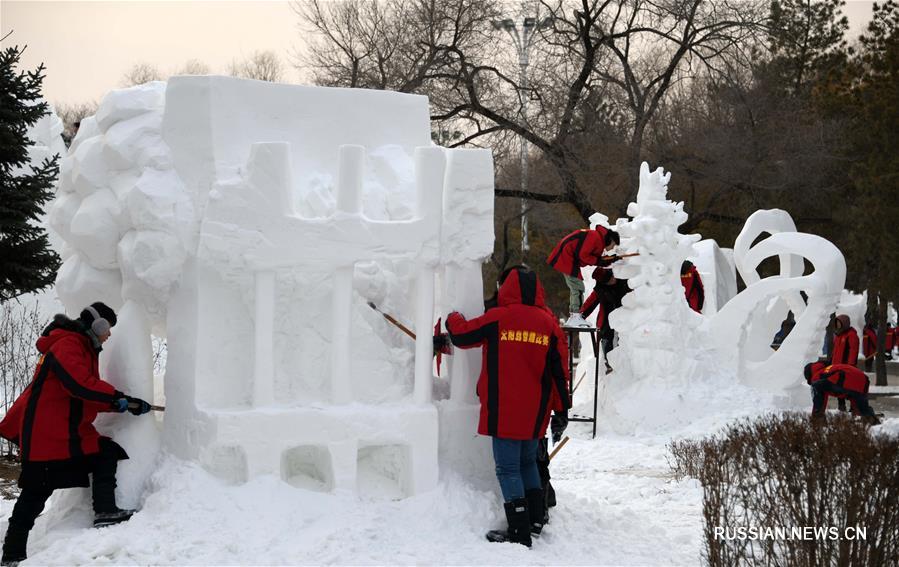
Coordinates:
461 447
386 451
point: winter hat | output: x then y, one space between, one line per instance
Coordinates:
845 324
98 317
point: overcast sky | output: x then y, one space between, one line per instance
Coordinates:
87 47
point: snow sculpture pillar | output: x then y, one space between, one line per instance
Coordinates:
127 363
263 354
349 202
429 168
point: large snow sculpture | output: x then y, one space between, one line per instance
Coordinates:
744 327
250 223
669 359
654 322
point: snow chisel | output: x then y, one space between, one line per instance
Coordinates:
441 342
616 257
398 325
558 447
135 405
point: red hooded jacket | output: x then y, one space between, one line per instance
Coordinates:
582 247
845 343
53 418
524 373
846 376
693 288
869 344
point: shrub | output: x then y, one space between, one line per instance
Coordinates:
780 473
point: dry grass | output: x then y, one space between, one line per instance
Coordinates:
782 471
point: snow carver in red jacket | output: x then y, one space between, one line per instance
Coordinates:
607 294
843 381
845 346
52 423
581 248
892 340
524 375
693 288
869 346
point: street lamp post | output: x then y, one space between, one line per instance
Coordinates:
522 38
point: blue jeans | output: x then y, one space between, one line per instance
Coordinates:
516 466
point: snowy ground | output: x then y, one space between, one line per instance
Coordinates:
617 505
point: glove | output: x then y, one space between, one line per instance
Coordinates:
606 261
120 405
137 406
441 343
557 424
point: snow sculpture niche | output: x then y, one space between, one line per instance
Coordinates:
251 222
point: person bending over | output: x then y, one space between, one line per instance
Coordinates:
580 248
842 381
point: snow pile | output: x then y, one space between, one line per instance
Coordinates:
46 139
617 506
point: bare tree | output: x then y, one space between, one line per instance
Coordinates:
141 73
193 67
599 66
261 65
71 116
20 327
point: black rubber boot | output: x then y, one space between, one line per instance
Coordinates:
103 519
103 485
519 520
536 510
14 547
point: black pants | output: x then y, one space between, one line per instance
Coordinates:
32 499
823 389
549 494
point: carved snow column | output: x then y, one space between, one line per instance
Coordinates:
349 202
269 170
429 177
263 367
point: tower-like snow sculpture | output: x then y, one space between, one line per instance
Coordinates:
654 323
250 223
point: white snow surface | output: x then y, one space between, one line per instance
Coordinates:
617 505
